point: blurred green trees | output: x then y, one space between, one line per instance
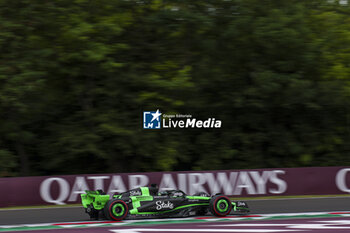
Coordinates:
75 77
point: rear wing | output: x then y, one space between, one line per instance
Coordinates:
96 199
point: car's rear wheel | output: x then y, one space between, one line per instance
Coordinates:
116 210
220 205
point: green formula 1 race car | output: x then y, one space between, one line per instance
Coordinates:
147 202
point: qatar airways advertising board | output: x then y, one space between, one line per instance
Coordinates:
61 190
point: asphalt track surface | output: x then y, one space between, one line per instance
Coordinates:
73 214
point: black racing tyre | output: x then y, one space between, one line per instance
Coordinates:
220 205
116 210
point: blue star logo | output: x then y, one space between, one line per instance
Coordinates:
152 120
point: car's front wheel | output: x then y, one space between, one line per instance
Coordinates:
220 205
116 210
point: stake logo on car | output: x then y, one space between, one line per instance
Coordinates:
164 205
135 193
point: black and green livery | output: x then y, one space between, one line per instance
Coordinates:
147 202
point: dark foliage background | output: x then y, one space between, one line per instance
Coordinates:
76 75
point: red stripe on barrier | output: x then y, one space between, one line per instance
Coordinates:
340 213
